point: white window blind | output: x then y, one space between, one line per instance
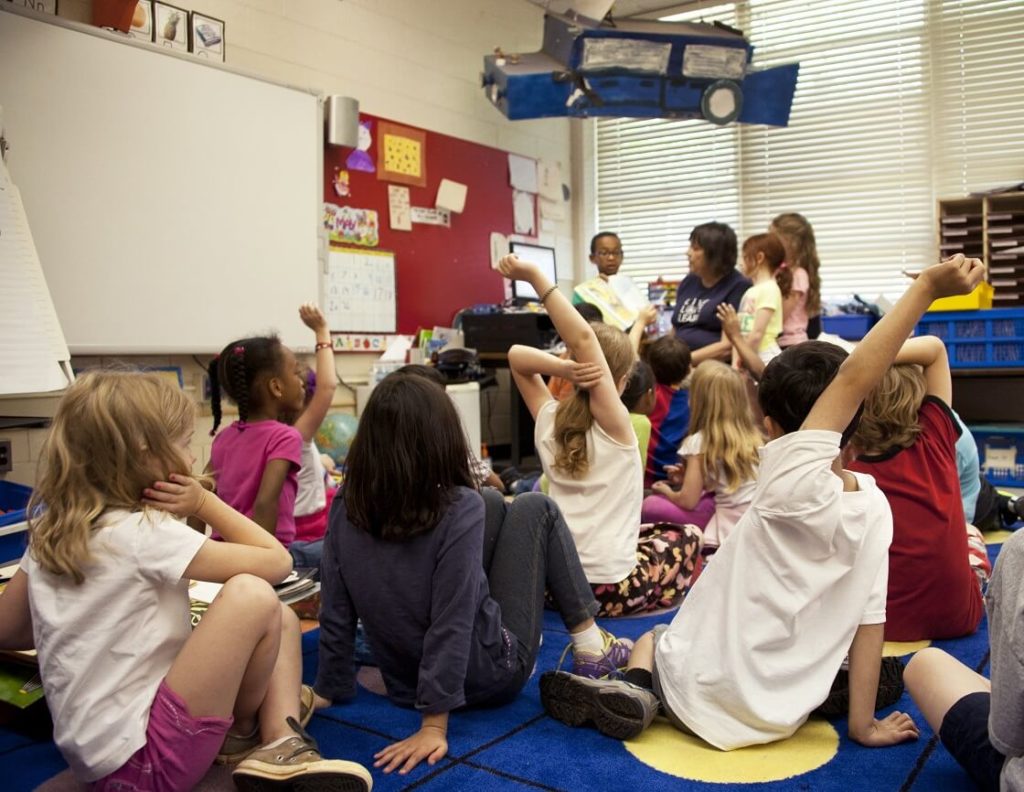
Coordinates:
899 102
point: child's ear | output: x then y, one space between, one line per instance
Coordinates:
275 386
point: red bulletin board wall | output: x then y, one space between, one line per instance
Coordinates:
438 270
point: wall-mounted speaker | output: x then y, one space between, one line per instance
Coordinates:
342 114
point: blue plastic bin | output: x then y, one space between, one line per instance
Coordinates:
852 327
985 338
13 500
1001 452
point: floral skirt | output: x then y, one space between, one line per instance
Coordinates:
668 558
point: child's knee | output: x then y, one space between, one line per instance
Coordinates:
922 666
251 593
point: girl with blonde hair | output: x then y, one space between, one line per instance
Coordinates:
721 452
138 700
589 451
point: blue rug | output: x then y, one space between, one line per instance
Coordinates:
517 747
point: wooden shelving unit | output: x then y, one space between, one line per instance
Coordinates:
990 228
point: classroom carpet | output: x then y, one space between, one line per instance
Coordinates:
517 747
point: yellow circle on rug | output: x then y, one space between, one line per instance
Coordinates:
667 749
902 648
997 537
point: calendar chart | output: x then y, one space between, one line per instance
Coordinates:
359 292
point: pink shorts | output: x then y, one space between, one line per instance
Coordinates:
179 749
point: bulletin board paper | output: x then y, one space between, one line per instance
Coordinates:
359 291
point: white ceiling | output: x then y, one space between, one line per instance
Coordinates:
626 9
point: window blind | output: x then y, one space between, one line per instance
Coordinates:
899 102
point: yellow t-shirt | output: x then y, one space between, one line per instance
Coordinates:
765 294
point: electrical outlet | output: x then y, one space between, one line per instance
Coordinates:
6 463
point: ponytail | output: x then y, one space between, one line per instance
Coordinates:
212 372
239 367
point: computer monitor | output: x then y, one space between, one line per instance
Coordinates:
543 257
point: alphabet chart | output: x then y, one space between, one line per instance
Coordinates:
359 291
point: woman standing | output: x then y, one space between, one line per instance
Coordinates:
713 279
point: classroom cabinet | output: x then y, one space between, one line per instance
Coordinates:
990 228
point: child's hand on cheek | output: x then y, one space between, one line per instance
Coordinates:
182 495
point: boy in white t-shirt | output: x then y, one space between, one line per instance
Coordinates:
756 645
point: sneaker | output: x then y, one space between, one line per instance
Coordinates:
890 689
617 708
236 747
294 763
613 656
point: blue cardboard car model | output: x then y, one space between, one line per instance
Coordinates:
643 69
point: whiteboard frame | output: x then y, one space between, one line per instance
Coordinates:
284 317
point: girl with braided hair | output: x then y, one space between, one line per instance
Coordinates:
256 459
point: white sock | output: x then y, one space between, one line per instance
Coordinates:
589 640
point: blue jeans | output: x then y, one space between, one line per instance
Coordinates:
527 549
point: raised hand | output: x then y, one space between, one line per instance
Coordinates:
515 269
955 275
312 317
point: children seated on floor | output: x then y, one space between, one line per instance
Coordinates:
256 459
907 441
138 699
800 585
720 455
448 581
590 455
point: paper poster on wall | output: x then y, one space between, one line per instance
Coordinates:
342 183
359 290
430 216
401 154
522 173
398 208
451 195
351 226
499 248
549 180
550 210
360 342
523 212
360 159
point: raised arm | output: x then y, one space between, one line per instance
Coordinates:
579 337
529 365
326 377
648 315
731 330
930 353
864 368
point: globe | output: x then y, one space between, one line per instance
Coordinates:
335 435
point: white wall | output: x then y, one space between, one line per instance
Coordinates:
414 61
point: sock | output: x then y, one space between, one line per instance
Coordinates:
640 677
589 640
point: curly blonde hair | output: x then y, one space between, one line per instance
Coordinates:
573 418
720 411
114 434
890 417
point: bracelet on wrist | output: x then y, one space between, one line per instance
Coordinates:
547 293
323 345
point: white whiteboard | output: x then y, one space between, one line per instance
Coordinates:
359 291
174 203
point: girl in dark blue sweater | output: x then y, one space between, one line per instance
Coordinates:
449 582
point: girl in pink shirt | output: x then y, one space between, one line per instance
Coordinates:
801 309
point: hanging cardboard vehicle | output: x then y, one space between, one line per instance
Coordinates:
590 66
